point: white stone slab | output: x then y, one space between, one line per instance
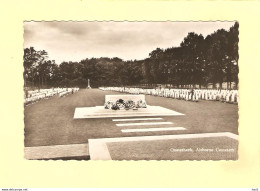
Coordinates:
152 129
101 112
138 119
139 124
98 149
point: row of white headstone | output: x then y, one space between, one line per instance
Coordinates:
229 96
36 95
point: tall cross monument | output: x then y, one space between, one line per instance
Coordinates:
89 84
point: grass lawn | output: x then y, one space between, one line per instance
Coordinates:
50 122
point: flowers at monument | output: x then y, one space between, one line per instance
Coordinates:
130 104
108 105
121 104
115 107
141 104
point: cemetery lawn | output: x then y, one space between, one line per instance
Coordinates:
50 122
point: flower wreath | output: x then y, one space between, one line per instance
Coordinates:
129 104
141 104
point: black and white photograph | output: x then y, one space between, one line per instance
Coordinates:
107 90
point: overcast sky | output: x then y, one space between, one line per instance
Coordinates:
74 41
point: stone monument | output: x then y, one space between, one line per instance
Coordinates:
136 111
89 84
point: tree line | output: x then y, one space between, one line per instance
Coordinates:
197 61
